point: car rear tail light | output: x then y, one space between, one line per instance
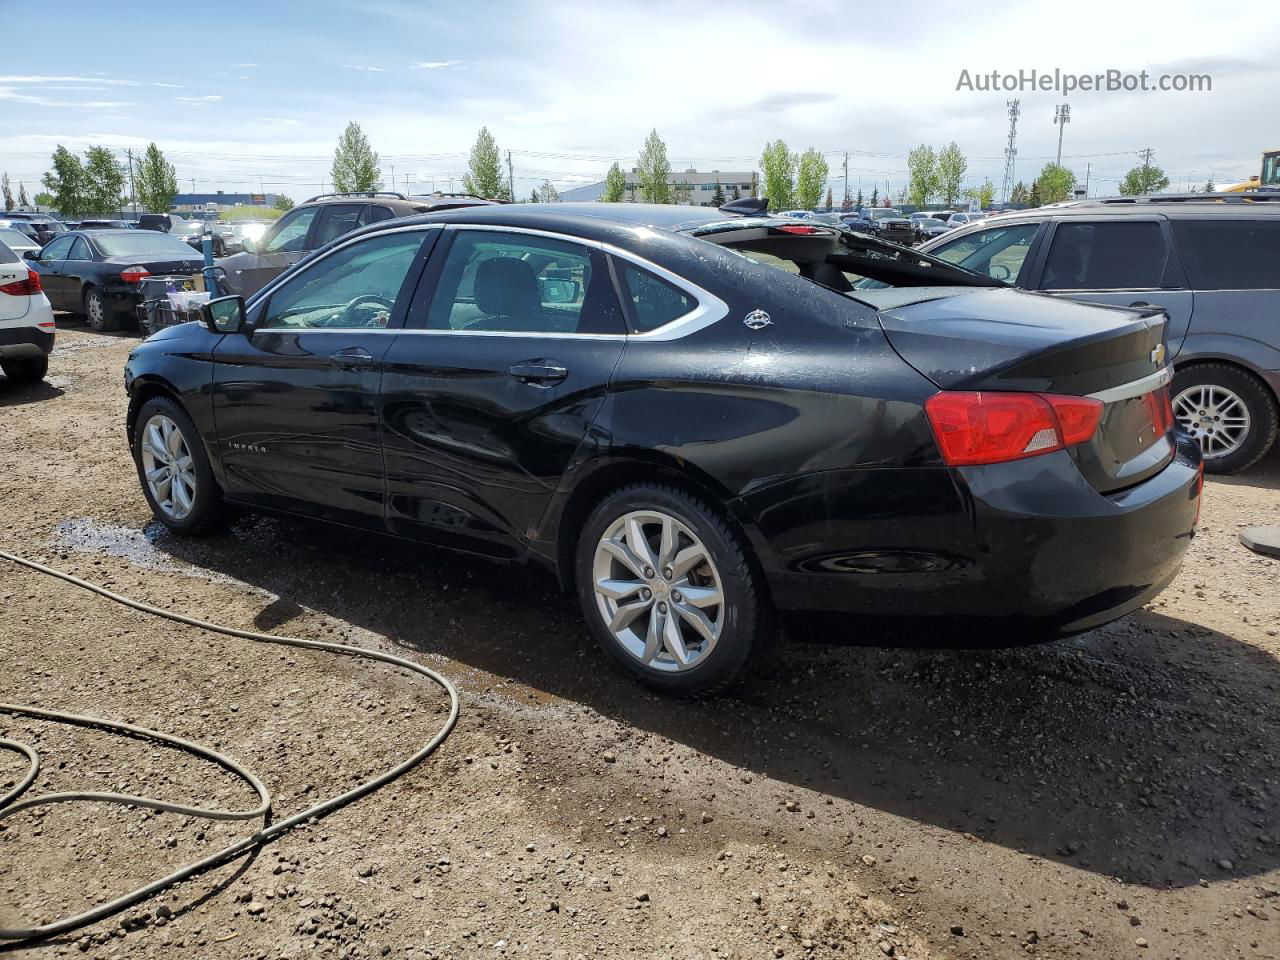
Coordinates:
992 427
1160 406
23 288
135 274
796 228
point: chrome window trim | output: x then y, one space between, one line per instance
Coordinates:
710 309
1135 388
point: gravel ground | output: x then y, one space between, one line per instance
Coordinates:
869 795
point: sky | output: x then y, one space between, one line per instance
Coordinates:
253 96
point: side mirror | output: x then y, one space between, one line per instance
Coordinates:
224 315
30 254
250 245
558 290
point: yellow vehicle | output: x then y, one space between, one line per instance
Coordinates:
1269 179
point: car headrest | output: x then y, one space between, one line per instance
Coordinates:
506 287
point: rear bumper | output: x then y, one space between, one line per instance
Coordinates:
1029 540
25 341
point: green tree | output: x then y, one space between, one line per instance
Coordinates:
857 203
682 193
875 197
46 199
717 198
1143 179
157 181
4 188
1034 197
66 181
484 173
547 193
951 170
811 177
282 202
922 175
736 193
831 200
1210 186
355 165
23 202
779 166
984 194
654 170
104 181
1018 195
615 184
1055 183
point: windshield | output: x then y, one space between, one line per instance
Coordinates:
142 243
930 222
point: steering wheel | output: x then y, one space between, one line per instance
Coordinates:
347 317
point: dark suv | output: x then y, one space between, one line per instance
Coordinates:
311 225
1210 261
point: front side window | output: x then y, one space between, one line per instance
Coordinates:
291 234
337 219
654 301
1230 254
493 281
57 249
356 287
1106 256
998 252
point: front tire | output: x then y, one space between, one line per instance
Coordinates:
1229 412
26 369
98 312
174 469
669 591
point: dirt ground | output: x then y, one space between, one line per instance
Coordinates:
865 795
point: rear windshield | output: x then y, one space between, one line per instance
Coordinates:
142 243
14 237
7 255
1230 254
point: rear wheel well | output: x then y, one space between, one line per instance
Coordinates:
1230 365
591 491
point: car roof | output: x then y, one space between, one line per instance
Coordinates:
586 216
1205 206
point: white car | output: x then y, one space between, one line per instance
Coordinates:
26 321
16 240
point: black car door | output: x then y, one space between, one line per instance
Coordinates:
487 395
295 400
50 265
75 269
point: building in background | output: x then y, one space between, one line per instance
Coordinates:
185 203
701 187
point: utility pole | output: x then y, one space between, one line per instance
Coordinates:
511 178
1010 150
1061 116
393 176
133 193
846 180
1088 167
1146 168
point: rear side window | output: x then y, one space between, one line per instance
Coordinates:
337 219
494 281
1230 254
377 213
654 301
1106 256
79 250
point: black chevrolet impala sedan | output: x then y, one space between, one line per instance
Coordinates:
691 417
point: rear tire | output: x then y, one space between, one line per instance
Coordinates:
669 591
1226 395
98 312
174 469
25 369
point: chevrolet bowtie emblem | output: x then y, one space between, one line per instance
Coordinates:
756 320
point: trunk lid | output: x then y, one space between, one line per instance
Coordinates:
1007 340
166 265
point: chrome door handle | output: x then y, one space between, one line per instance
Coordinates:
352 358
539 372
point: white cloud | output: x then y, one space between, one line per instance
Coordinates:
246 66
433 64
36 100
355 66
212 98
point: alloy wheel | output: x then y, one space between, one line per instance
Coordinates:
658 590
168 467
1215 416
